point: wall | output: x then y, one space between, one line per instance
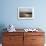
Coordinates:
9 13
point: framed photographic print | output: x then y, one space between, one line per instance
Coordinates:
25 13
